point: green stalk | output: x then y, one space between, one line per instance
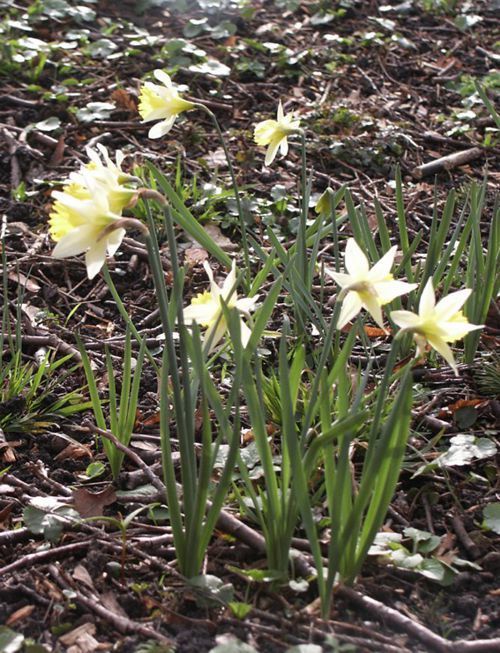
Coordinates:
243 229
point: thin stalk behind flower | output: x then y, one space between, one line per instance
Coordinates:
241 216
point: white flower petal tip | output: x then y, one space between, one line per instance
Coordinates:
366 288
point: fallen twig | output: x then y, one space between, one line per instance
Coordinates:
448 162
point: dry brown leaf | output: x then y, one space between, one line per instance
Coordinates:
82 575
90 504
194 256
75 451
19 615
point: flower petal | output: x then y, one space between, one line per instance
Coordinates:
442 348
382 269
371 304
215 333
451 304
114 240
272 151
78 240
389 290
427 299
351 306
405 319
162 77
341 279
95 258
161 128
356 262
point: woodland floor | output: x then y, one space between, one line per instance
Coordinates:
374 87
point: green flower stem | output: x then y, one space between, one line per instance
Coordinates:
302 249
123 312
244 239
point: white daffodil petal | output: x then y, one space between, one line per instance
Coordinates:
458 330
356 262
214 334
442 348
203 314
114 240
95 258
245 333
370 303
427 299
75 242
448 306
351 306
246 304
405 319
272 151
161 128
162 77
382 269
228 287
341 279
389 290
280 114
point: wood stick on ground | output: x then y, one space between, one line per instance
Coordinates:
415 629
122 624
448 162
226 522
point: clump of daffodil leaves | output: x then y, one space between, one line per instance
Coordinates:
90 216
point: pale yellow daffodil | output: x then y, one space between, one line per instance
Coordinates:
108 175
437 324
206 308
82 221
161 103
275 134
365 287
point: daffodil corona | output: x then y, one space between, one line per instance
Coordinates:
275 134
206 308
365 287
437 324
161 103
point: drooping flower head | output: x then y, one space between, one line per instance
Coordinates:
82 221
206 308
107 174
364 287
275 134
437 324
161 103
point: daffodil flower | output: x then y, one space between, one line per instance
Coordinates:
365 287
82 221
437 324
108 175
161 103
275 134
206 308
